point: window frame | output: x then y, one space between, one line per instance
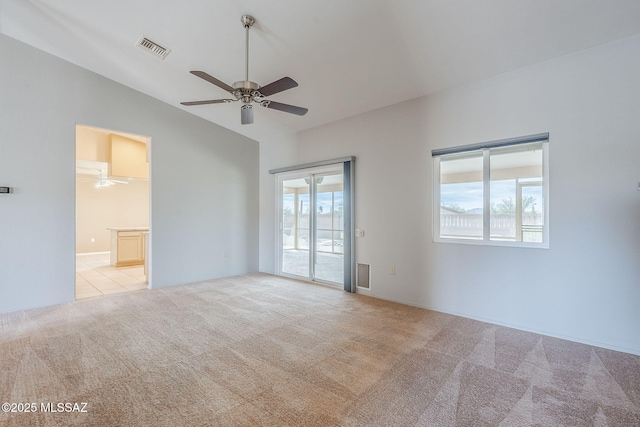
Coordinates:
485 149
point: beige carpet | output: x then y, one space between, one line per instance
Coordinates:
263 350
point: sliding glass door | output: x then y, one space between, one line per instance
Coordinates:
328 226
312 224
294 227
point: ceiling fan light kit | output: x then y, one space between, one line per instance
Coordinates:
246 114
249 92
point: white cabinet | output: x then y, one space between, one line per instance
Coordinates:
128 158
127 246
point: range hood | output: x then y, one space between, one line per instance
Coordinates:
93 168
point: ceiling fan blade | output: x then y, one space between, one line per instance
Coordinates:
278 86
210 101
213 80
285 107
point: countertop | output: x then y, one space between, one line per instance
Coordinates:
128 228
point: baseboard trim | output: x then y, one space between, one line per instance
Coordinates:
593 343
93 253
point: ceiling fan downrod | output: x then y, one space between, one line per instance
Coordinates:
248 88
247 22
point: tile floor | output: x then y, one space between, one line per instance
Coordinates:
95 276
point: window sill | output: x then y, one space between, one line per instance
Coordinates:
478 242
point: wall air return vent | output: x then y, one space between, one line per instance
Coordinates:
363 278
153 47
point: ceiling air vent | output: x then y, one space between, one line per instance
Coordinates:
153 47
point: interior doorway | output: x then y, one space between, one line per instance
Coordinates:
112 212
312 224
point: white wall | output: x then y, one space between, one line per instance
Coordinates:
274 153
586 287
204 194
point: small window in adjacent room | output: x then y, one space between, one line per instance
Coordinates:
493 193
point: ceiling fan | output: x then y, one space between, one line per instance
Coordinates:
250 92
98 173
102 181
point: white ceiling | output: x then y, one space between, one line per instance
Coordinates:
348 56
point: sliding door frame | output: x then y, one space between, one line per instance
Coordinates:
348 173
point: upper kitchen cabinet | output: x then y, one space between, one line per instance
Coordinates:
128 157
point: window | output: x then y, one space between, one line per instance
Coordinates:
493 193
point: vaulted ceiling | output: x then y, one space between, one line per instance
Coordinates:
348 56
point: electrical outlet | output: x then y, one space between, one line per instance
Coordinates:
225 254
392 270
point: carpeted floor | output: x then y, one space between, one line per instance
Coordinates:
263 350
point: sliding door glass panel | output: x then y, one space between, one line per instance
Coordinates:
295 226
288 221
329 228
304 219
